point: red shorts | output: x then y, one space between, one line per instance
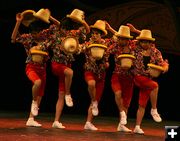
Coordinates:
35 72
58 70
146 85
125 84
99 83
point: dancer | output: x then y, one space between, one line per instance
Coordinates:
121 45
37 54
95 69
64 43
145 53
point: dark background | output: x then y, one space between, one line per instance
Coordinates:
16 88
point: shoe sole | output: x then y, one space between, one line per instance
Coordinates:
138 133
33 126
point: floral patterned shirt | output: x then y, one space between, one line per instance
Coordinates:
155 57
98 67
117 50
29 41
55 37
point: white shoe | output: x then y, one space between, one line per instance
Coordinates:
155 115
123 120
138 130
57 124
90 126
34 108
95 110
31 122
123 128
68 100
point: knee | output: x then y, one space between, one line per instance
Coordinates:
91 84
141 108
155 85
69 72
118 94
37 83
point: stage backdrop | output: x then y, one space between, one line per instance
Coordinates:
159 18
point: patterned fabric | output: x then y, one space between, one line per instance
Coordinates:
55 36
98 67
29 41
155 58
117 50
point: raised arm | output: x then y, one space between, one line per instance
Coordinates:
55 21
19 18
108 27
133 29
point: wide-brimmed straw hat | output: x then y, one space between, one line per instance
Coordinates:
28 17
124 31
78 16
100 25
43 14
145 35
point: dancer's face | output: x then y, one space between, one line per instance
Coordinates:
145 44
95 35
123 41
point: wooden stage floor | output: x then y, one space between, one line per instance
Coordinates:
13 128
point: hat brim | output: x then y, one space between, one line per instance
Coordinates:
97 45
123 36
28 17
42 19
145 38
95 27
79 21
155 66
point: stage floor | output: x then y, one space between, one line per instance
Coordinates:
13 128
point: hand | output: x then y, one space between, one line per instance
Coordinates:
19 17
87 29
55 21
107 25
107 64
133 29
166 68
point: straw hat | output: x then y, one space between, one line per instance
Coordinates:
78 16
145 35
100 25
28 17
124 31
43 14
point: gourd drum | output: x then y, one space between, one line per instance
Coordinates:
97 50
154 70
38 55
126 60
70 44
